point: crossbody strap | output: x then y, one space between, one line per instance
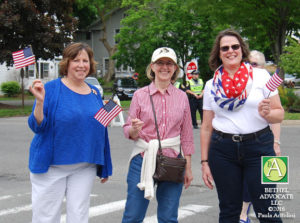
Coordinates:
156 126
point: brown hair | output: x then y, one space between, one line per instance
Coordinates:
151 74
71 51
214 60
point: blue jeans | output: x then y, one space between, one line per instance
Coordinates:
167 196
232 162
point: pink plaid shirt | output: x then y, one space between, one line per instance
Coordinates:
173 117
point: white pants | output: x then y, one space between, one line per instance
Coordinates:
49 189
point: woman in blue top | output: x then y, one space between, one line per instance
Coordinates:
70 147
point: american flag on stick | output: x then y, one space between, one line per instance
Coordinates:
23 58
108 112
274 82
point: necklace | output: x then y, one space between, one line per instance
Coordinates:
78 87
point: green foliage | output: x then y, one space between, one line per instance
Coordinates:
288 98
10 88
290 59
143 80
86 14
45 25
265 24
172 23
101 81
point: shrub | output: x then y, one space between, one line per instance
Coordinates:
10 88
289 99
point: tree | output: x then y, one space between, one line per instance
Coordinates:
290 59
104 10
265 23
172 23
46 25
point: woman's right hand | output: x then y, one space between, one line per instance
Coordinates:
136 127
207 176
38 90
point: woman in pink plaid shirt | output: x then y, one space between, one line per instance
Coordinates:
175 127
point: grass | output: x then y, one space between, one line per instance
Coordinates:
19 97
12 112
19 111
291 116
125 104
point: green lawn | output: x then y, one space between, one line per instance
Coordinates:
19 111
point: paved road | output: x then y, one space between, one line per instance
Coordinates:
198 204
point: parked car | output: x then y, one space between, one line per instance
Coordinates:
291 80
95 82
125 87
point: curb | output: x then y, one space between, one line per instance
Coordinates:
290 122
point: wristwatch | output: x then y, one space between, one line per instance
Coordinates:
277 141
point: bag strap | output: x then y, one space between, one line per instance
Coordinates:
156 126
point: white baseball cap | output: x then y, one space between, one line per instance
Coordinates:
164 52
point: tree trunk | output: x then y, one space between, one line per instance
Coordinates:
110 49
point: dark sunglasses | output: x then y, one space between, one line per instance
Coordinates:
233 47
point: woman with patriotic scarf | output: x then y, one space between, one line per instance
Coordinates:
235 131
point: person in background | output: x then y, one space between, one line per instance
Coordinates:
70 147
175 127
235 132
257 60
195 93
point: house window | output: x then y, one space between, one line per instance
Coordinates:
116 32
106 60
30 70
88 35
44 70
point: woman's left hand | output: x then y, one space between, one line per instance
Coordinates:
277 149
264 107
103 180
188 177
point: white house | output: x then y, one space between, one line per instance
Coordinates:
45 70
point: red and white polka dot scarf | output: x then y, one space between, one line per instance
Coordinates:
231 93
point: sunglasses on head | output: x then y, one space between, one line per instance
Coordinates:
233 47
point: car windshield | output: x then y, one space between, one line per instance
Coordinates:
92 81
127 82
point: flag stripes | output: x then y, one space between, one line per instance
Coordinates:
274 82
107 113
23 58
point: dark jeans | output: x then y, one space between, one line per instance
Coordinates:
167 196
196 104
232 162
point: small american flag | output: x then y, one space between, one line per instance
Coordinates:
23 58
108 112
274 82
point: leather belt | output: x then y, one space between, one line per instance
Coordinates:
242 137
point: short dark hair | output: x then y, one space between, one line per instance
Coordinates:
70 52
214 60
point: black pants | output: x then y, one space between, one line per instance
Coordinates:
196 104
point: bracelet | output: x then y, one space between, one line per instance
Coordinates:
277 141
204 161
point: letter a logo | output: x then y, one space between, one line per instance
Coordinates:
274 169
